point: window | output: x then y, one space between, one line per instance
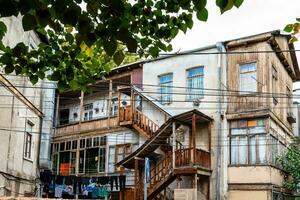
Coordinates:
248 142
64 116
276 146
28 141
195 83
122 151
165 85
248 80
74 144
88 112
68 145
274 85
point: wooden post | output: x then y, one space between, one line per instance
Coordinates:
121 174
132 105
119 103
195 186
194 137
173 144
81 107
136 163
109 103
208 189
209 142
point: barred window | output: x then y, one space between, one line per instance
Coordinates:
195 83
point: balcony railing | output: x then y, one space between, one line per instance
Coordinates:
192 156
95 124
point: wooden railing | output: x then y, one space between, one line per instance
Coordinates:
161 170
185 157
203 158
125 114
144 123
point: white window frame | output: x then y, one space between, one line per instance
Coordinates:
28 141
165 88
254 88
88 112
194 93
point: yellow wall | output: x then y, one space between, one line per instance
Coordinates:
247 195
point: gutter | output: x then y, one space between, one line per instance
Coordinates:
219 177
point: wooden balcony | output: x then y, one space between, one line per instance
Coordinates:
85 126
192 157
125 115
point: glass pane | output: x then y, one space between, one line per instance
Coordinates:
262 148
252 143
256 130
247 67
233 150
243 150
238 131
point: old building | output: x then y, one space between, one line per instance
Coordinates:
209 124
21 118
259 113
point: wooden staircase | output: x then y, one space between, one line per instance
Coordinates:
138 120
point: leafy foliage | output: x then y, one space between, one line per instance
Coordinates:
294 29
290 162
76 28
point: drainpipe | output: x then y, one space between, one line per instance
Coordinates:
219 177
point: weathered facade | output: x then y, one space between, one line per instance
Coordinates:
211 122
259 113
21 122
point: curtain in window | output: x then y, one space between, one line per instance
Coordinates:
248 79
195 82
166 83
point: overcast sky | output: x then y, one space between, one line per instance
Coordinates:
254 16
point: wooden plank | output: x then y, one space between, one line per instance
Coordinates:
194 136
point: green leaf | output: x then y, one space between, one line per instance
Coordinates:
40 74
62 85
74 85
55 76
9 68
34 79
238 3
154 51
43 16
3 29
29 22
119 57
110 46
19 49
69 73
288 28
18 69
202 15
225 5
183 27
200 4
293 39
131 44
6 59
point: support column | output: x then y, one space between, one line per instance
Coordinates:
119 103
194 137
209 141
121 193
195 186
136 163
109 103
81 107
173 144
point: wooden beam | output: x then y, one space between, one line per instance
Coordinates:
81 107
136 164
119 103
109 103
173 143
194 136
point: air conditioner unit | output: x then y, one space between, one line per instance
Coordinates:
291 118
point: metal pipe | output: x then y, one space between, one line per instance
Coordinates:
219 177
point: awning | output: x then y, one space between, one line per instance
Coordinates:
161 135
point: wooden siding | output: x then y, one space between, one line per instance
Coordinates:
242 103
87 126
246 105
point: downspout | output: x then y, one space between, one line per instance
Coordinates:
219 177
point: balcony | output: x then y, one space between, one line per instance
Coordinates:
87 126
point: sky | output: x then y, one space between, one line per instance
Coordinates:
253 17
